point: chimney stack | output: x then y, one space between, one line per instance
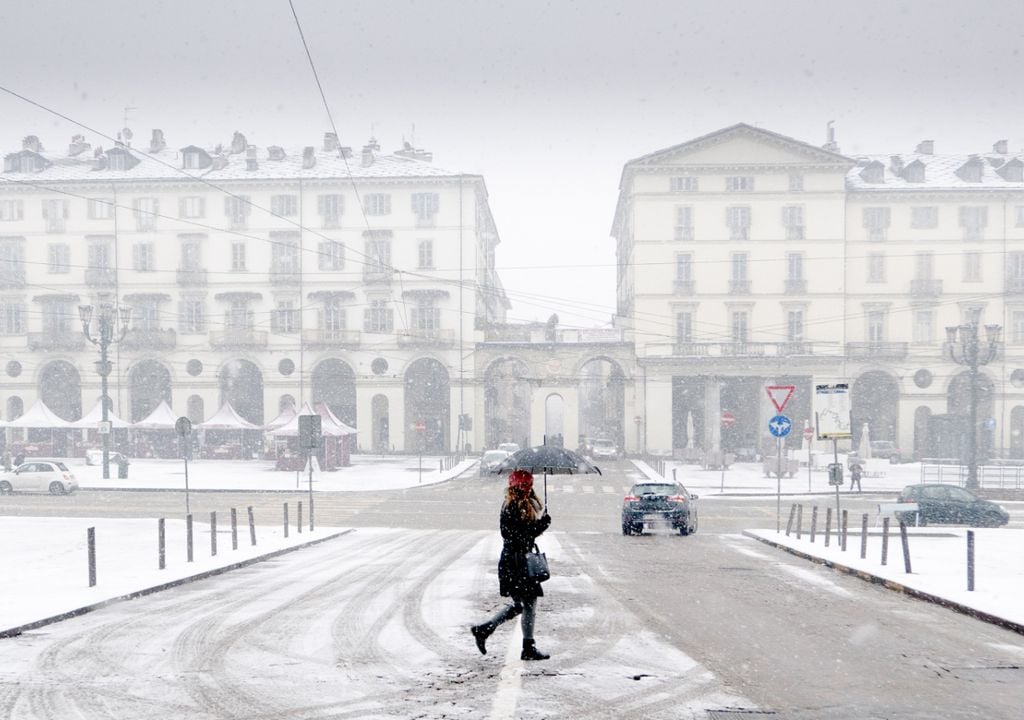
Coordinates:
275 152
238 143
1001 147
308 157
926 147
331 142
157 142
78 145
896 164
31 142
367 155
251 163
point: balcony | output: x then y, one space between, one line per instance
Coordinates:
191 277
796 286
100 277
421 336
925 288
150 339
12 277
742 349
328 338
739 287
62 340
285 276
238 338
746 349
1015 286
684 287
876 350
377 274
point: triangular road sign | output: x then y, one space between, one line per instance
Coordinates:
779 395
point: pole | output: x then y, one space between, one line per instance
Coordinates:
90 535
809 441
835 459
105 401
970 561
310 492
778 488
188 510
972 436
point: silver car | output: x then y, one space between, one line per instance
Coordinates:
51 476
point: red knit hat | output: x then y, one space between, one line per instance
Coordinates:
520 479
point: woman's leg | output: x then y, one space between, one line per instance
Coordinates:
529 616
483 631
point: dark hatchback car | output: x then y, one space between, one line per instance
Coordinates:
950 504
664 502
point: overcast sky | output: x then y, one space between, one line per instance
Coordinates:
547 100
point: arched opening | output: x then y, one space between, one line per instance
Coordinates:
334 384
241 384
428 401
196 409
149 384
922 424
381 439
507 398
958 404
286 401
60 389
554 419
1017 432
874 400
602 401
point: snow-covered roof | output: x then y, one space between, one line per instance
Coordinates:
330 417
92 419
39 416
940 172
226 418
162 418
283 418
292 428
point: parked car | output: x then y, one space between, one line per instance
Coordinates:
509 447
604 449
490 460
666 502
938 503
41 475
95 457
886 450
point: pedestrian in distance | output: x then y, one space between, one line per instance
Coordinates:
855 473
522 519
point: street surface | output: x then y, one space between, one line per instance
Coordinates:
374 624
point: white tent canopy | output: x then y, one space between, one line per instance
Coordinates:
92 419
162 418
227 419
39 416
292 428
283 418
325 412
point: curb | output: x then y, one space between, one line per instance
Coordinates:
18 630
898 587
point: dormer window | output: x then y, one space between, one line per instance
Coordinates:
120 159
914 172
971 171
24 161
116 162
1012 171
191 161
195 158
873 172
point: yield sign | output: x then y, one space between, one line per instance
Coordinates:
779 395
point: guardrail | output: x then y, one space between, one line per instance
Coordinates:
992 477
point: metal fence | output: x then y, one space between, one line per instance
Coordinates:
993 477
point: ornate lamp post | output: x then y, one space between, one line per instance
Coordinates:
966 347
110 322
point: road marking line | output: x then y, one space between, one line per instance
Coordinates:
607 489
510 682
588 488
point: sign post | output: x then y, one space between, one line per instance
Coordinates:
310 429
183 426
832 414
809 437
779 426
421 428
728 420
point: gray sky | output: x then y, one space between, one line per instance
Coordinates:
546 99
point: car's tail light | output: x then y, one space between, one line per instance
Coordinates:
631 498
677 498
66 477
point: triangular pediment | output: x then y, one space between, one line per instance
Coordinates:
742 145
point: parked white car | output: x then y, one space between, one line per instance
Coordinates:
51 476
604 449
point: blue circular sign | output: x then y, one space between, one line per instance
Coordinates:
779 426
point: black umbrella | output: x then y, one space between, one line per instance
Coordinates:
547 459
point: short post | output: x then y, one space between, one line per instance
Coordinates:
674 475
799 521
213 533
863 536
970 561
440 465
792 514
828 525
91 538
252 527
814 522
161 544
906 547
234 529
286 519
846 527
885 541
188 536
298 516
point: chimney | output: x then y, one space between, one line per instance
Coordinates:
308 157
157 143
78 145
238 144
830 132
896 164
330 142
251 163
275 152
99 160
367 155
408 151
926 147
346 151
31 142
1001 147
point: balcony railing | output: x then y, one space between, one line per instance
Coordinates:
1015 285
284 276
12 277
433 336
925 288
238 338
328 338
747 349
796 286
684 287
138 339
191 277
890 350
739 287
56 340
100 277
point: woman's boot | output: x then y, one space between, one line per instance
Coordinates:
530 652
481 633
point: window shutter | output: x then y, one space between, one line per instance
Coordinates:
367 315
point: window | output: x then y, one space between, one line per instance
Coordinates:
238 256
425 207
12 317
192 207
1017 327
55 213
238 317
142 257
1015 265
737 219
57 318
100 251
972 267
924 323
284 252
285 318
793 221
332 317
12 261
58 258
796 182
795 326
330 209
191 317
426 254
284 205
145 211
684 223
100 209
378 317
425 315
237 210
378 255
191 252
794 267
377 204
683 184
331 255
739 184
740 326
876 267
192 161
684 267
684 326
973 220
924 262
924 217
117 161
739 267
876 222
145 315
1020 216
11 210
875 326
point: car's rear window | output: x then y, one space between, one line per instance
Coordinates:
62 466
654 489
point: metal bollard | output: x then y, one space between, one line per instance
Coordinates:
906 547
161 544
970 561
846 527
799 521
885 540
234 529
828 525
863 536
792 513
188 536
252 527
90 536
286 519
298 517
213 533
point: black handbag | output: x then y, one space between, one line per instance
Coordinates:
537 565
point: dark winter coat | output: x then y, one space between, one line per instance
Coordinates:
519 536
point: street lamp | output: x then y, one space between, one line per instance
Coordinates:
110 321
966 347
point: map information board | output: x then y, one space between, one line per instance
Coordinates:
832 411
